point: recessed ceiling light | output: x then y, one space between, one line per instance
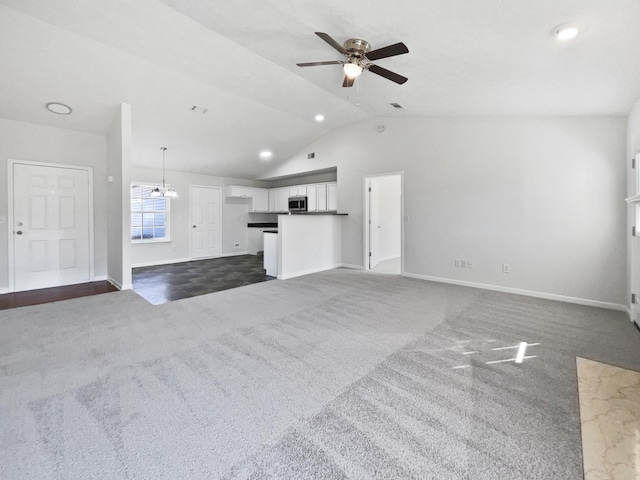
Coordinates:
265 154
59 108
319 118
567 31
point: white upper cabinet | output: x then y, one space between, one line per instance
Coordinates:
260 200
238 191
284 195
298 191
274 200
312 203
321 197
332 196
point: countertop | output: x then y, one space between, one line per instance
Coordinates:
313 213
263 225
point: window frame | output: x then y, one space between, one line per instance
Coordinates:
166 212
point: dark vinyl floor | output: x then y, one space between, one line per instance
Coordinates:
54 294
165 283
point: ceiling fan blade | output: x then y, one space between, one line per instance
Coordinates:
313 64
383 72
348 81
332 42
389 51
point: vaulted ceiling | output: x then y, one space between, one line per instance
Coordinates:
238 61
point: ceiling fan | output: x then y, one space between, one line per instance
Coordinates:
359 57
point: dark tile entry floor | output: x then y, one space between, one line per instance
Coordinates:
54 294
165 283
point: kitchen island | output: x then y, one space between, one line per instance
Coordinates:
306 243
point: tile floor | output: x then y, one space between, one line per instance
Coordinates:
54 294
388 267
610 417
165 283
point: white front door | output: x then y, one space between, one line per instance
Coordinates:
374 225
205 222
51 226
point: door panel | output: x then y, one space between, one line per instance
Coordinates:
205 232
51 226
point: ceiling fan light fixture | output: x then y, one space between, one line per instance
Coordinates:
352 69
265 154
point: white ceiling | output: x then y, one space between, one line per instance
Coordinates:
237 59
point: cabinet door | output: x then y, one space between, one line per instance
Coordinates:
332 196
233 191
253 240
273 200
312 204
247 192
302 190
293 191
284 192
321 197
260 200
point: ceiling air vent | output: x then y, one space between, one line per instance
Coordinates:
311 155
396 105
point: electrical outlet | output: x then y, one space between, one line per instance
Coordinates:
463 263
456 263
506 268
469 264
237 245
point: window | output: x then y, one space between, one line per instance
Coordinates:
149 216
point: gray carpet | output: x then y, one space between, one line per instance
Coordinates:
332 375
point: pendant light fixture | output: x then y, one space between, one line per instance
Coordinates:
165 190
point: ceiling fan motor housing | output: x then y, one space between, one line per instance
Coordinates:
357 47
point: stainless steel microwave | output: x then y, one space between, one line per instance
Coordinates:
297 204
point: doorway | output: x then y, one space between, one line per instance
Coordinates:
51 232
206 214
383 223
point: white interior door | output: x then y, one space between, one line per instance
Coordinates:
51 230
374 225
205 222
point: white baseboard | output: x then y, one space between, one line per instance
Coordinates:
517 291
234 254
388 258
160 262
351 266
307 272
4 290
118 285
99 278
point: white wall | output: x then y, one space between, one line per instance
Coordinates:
26 141
234 216
389 212
118 199
543 194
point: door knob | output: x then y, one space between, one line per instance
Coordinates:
194 226
19 232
